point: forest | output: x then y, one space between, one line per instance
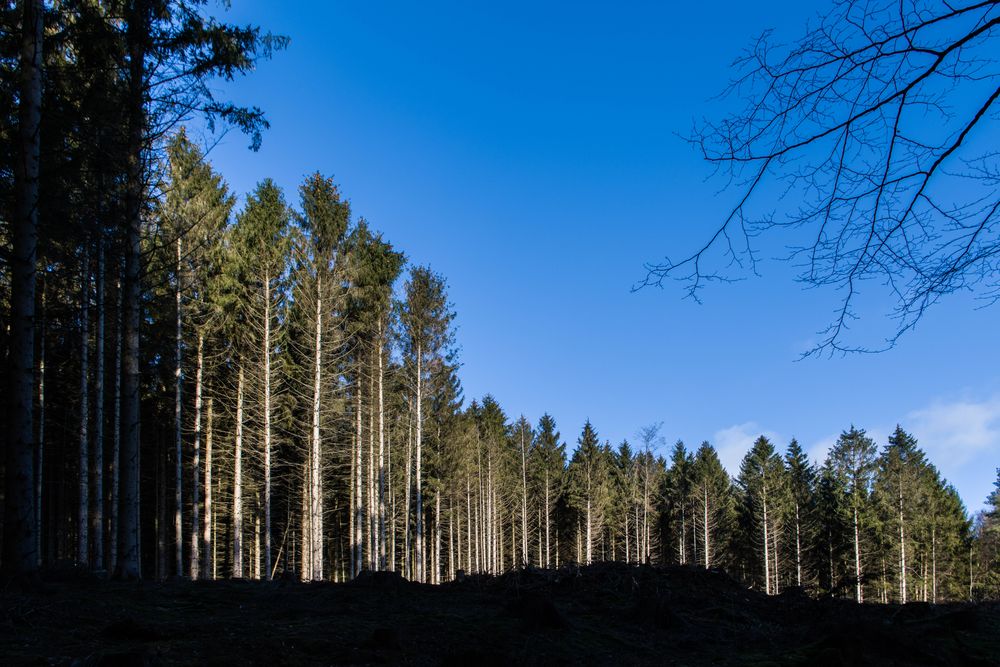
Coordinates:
272 390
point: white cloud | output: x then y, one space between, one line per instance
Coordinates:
734 442
958 432
962 438
818 450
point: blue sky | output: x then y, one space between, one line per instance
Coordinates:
530 153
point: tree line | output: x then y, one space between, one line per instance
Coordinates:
273 391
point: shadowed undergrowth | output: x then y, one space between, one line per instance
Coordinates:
601 614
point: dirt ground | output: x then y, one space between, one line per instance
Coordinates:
604 614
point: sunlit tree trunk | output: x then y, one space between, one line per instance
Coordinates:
902 549
381 451
238 482
857 558
707 540
468 524
267 426
418 473
208 559
767 543
196 464
407 560
371 518
524 502
359 505
316 505
548 523
178 423
798 547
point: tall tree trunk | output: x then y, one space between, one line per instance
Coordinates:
83 471
359 505
20 556
97 514
767 547
468 524
196 463
267 426
436 561
524 502
178 424
707 543
548 522
208 554
371 518
798 547
316 504
857 558
305 556
934 563
137 32
902 549
407 561
419 483
381 450
238 482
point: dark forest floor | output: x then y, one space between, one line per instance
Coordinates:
603 614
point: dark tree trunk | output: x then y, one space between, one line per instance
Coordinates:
128 566
19 545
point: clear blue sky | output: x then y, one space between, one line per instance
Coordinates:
529 152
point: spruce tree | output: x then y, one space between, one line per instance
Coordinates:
261 240
802 529
711 495
588 493
762 487
852 463
900 488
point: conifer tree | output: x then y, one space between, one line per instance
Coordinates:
677 496
548 465
762 487
801 476
711 491
900 488
852 464
588 474
261 240
324 220
427 336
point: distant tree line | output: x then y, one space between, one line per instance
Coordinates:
274 391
